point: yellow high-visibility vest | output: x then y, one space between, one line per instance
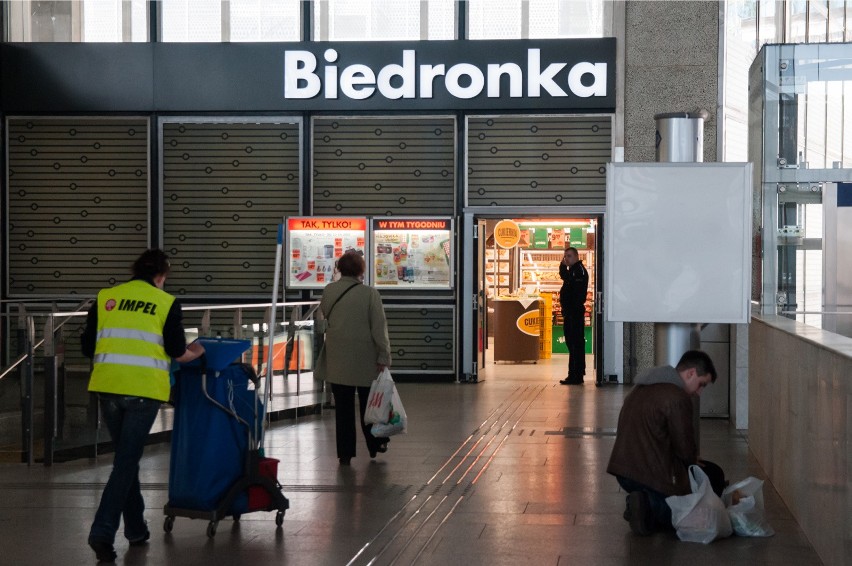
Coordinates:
130 358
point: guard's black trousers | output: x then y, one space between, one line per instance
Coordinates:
575 339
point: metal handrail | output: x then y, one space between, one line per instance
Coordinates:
817 312
53 325
23 357
18 361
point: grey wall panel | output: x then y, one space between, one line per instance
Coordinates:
226 187
538 160
78 203
381 166
421 338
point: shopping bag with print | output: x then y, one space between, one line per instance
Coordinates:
397 419
379 400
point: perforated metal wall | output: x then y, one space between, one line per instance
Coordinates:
384 166
226 187
538 160
421 338
78 203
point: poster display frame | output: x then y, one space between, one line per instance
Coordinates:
321 223
411 285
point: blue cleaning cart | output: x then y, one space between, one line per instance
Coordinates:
217 469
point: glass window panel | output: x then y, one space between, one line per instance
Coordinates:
834 123
768 28
813 220
801 119
809 284
265 20
494 19
817 21
442 19
848 28
102 21
191 20
739 52
814 131
84 20
847 126
553 19
139 22
796 21
377 20
836 13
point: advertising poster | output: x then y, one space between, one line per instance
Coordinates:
412 253
554 237
315 243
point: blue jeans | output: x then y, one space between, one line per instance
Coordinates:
129 421
660 510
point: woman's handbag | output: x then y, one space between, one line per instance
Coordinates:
700 516
321 326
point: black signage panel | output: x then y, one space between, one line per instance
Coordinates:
76 77
572 75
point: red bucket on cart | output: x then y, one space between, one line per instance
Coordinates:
259 498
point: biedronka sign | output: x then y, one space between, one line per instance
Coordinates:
569 75
463 80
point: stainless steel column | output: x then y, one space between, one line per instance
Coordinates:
679 139
672 340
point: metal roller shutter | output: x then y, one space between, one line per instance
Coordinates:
384 166
78 203
538 160
421 338
226 187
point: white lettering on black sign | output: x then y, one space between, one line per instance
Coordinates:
462 80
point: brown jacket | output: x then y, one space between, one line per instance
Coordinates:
655 442
357 335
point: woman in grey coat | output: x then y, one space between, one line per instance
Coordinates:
356 349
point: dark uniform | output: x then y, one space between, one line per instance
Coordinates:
572 297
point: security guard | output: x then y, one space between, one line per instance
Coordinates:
132 332
572 298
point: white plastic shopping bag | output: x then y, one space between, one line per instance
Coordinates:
379 400
700 516
744 501
397 419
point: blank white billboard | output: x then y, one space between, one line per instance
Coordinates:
678 242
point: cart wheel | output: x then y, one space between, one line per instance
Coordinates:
211 529
168 523
237 517
279 518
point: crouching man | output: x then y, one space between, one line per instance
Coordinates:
655 441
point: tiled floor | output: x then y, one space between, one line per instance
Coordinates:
507 471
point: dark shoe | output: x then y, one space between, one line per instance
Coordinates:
571 381
383 447
103 550
345 461
641 521
141 541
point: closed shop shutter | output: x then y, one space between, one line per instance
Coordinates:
421 338
226 188
384 166
538 160
78 203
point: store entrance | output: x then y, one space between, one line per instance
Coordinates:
520 320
